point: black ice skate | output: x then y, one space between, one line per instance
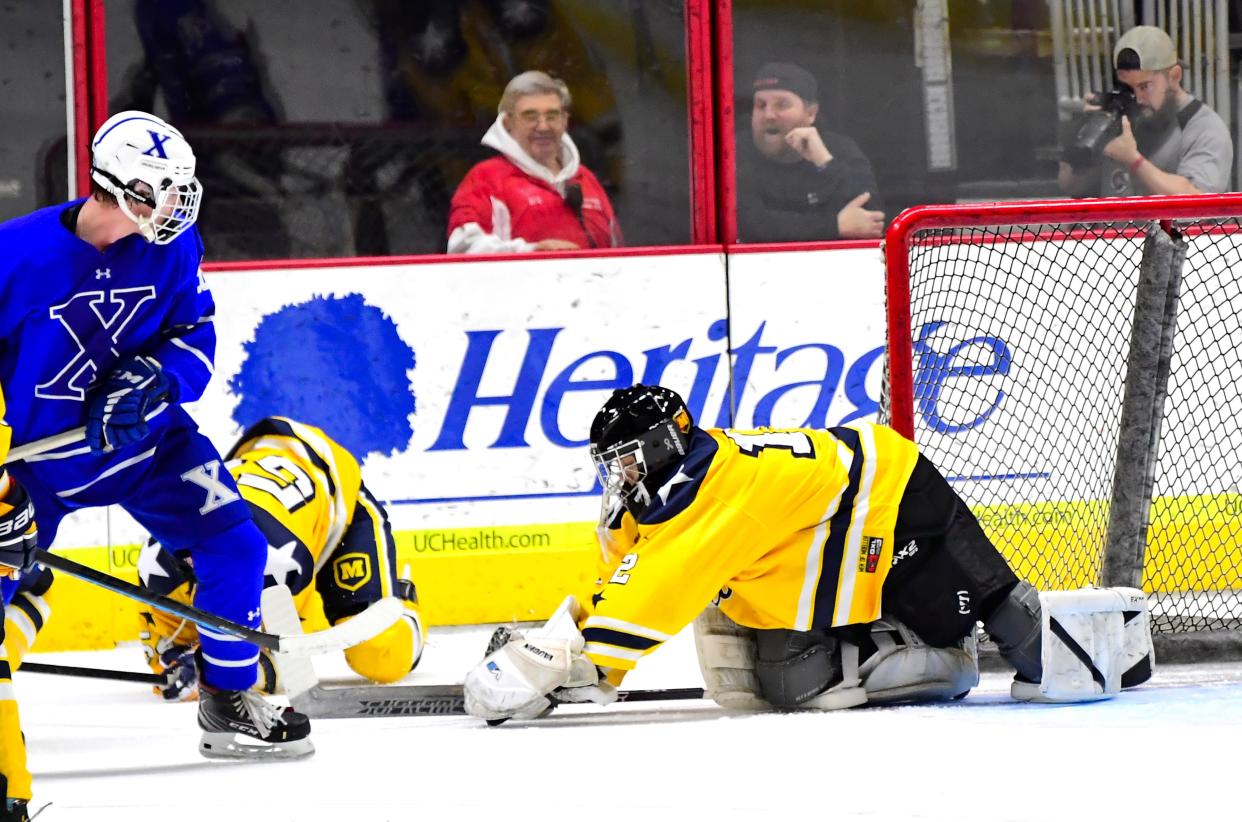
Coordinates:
244 725
13 810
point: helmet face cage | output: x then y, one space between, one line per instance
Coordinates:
173 209
639 433
621 471
624 469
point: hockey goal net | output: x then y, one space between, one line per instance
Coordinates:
1075 369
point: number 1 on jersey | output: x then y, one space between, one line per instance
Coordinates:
795 442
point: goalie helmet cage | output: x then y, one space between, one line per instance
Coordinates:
1073 368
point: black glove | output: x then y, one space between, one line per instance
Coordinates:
180 674
19 538
118 408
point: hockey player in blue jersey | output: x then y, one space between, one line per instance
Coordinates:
106 321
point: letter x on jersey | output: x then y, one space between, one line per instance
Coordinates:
95 321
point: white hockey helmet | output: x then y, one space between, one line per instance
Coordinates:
139 158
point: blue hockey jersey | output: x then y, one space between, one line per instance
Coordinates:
69 313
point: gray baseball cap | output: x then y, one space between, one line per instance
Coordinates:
1145 48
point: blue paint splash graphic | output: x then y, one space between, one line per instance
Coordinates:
335 363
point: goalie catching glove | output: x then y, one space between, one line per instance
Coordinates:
529 674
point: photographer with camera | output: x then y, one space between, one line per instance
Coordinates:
1150 136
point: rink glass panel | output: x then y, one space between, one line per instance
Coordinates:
331 128
33 165
947 107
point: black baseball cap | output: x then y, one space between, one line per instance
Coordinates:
787 77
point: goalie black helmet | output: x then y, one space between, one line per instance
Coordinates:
640 432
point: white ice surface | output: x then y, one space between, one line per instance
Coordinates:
104 751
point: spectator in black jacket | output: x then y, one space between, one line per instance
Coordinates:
801 183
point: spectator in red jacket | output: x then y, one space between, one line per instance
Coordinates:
535 196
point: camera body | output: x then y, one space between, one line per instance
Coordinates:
1097 128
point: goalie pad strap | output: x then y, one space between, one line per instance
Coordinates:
1077 650
905 668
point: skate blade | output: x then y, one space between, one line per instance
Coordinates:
225 745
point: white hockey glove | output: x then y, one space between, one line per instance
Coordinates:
530 673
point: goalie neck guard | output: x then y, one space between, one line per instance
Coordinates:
143 161
639 433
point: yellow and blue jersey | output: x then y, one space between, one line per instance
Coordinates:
787 528
303 489
322 526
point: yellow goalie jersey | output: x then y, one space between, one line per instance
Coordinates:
788 528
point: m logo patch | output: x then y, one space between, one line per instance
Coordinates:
351 571
869 554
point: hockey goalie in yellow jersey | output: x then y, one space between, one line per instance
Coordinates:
326 535
820 568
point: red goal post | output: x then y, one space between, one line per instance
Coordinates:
1074 368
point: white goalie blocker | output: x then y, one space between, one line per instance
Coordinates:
1096 641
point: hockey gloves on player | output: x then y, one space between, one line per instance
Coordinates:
19 538
530 673
180 674
119 407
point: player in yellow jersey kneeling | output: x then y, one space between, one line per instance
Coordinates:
323 527
841 566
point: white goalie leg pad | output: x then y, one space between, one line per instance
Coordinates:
726 654
904 668
1091 638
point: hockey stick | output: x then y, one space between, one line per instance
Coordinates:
359 629
74 435
365 625
91 673
297 675
424 700
31 449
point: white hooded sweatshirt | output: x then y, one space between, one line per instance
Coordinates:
471 238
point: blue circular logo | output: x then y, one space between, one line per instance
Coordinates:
335 363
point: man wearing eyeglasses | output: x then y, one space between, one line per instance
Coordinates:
536 195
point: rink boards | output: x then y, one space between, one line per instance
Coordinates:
467 388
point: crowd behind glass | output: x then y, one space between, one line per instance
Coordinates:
378 127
